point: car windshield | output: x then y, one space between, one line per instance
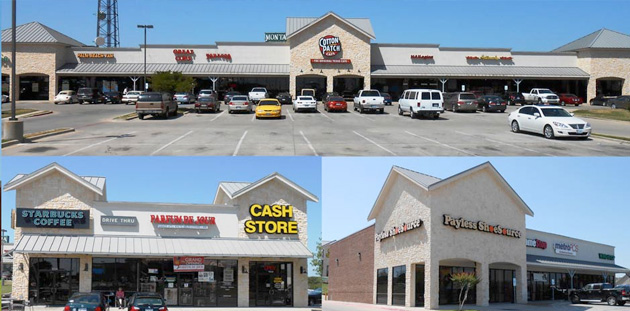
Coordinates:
569 95
232 93
258 89
133 93
493 98
205 92
85 91
139 301
85 298
181 93
305 98
239 98
555 112
385 95
544 91
336 99
111 93
64 93
268 103
370 93
467 96
150 97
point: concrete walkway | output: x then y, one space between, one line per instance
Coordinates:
532 306
60 308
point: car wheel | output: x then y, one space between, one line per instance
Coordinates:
141 116
515 127
621 303
548 131
484 109
510 103
382 111
611 300
540 101
166 114
56 103
412 114
175 112
501 111
400 112
230 111
575 299
454 108
613 106
436 116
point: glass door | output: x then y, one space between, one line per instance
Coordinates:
271 284
53 280
185 284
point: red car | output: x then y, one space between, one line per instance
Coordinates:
569 99
336 103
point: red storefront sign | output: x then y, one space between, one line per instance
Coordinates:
178 219
227 57
183 55
421 56
330 61
188 264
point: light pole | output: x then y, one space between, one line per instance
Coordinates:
145 53
2 257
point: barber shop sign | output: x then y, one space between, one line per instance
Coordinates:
329 45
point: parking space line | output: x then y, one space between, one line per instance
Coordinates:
441 144
96 144
290 116
373 142
362 116
238 146
253 117
309 144
217 116
324 115
171 142
504 143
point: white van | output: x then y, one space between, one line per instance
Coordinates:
423 102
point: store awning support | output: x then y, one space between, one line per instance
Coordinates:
214 82
134 79
571 273
518 83
443 80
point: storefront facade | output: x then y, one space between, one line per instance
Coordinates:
427 229
327 53
248 248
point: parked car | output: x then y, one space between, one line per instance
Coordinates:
569 99
156 104
335 103
513 98
549 121
621 102
131 97
541 97
207 104
5 98
460 101
66 97
142 301
387 99
600 100
90 96
258 93
369 100
329 94
304 103
184 98
308 92
94 301
421 102
240 103
7 275
284 98
487 103
315 297
601 292
269 108
112 97
228 95
207 93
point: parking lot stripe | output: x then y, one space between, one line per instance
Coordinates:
254 117
309 143
362 116
324 115
96 144
172 142
290 116
217 116
441 144
377 145
238 146
506 144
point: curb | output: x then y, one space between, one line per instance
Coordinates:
34 136
626 140
31 114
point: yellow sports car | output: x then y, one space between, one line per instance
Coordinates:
269 108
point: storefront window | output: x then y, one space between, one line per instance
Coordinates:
501 285
108 274
398 285
381 286
449 291
53 280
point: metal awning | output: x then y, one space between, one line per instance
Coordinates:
159 247
480 71
552 262
188 69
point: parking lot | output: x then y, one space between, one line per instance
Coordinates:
316 133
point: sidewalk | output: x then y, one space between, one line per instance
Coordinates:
60 308
532 306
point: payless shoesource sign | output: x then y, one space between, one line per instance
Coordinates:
461 223
396 230
271 219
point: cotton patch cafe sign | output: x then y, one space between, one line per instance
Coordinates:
396 230
272 219
329 45
461 223
52 218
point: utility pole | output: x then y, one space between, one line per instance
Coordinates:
145 53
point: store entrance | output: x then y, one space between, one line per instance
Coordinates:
53 280
185 288
271 284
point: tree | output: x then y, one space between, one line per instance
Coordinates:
318 259
171 82
465 281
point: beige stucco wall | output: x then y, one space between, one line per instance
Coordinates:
305 46
605 64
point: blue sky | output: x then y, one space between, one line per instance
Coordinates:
584 198
521 25
175 179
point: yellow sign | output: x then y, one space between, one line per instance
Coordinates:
277 280
95 55
272 219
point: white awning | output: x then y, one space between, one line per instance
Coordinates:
441 71
580 265
159 247
118 69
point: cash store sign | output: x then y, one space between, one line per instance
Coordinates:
396 230
461 223
271 219
52 218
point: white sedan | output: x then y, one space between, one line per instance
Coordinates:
304 103
550 121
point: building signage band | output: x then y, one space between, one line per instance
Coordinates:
95 55
482 226
188 264
606 256
275 37
182 55
421 56
396 230
119 220
566 248
272 219
329 45
330 61
536 243
182 222
214 56
487 57
52 218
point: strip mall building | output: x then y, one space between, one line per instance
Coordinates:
427 229
248 248
328 53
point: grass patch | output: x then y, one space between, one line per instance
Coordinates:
7 113
609 114
6 288
611 136
126 116
325 289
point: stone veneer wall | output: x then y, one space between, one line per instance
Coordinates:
300 281
305 46
605 64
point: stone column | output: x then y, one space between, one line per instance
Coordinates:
292 85
591 89
432 283
300 283
20 278
329 83
242 280
483 288
390 290
410 286
367 81
521 284
52 86
85 277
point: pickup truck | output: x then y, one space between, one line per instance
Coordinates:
369 100
541 96
258 93
601 292
156 104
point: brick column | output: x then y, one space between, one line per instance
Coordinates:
243 282
483 288
432 283
521 284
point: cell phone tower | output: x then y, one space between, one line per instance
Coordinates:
107 23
